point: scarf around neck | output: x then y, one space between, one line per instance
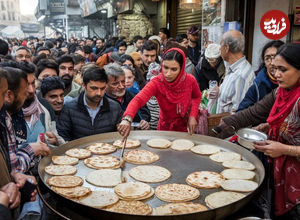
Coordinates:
34 110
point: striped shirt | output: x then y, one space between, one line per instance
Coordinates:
154 112
239 77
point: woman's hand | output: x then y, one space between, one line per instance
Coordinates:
271 148
124 128
192 123
144 125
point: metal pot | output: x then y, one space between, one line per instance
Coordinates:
246 137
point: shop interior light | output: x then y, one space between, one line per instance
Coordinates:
191 4
103 11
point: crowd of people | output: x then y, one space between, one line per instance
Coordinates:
53 91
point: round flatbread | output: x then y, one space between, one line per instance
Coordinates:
100 199
101 148
130 207
238 164
179 208
65 181
238 174
205 179
182 144
102 162
60 170
140 157
205 149
225 156
150 173
78 153
73 192
130 143
222 198
176 192
64 160
140 198
132 190
104 177
159 143
239 185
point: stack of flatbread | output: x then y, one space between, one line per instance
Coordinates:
60 170
65 181
176 192
140 157
239 164
104 177
100 199
205 179
159 143
130 207
77 192
150 173
239 185
222 198
101 148
130 143
64 160
102 162
179 208
78 153
134 191
238 174
182 144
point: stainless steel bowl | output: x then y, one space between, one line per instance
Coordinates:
246 137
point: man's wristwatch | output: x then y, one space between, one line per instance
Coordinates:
127 118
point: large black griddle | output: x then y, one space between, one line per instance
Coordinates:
180 163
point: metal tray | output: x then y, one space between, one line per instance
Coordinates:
180 163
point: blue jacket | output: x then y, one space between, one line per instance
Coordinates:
262 85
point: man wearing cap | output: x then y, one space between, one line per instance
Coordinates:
210 68
239 74
194 45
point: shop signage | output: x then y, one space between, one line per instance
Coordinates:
57 6
275 24
30 28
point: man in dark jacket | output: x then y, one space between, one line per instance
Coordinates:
91 113
116 90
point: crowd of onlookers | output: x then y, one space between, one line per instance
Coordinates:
53 91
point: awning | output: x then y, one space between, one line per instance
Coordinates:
12 31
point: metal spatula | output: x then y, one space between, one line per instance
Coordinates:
122 162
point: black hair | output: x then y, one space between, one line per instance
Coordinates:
65 59
136 38
149 45
51 83
14 77
39 57
46 63
72 47
125 57
3 73
94 73
165 31
42 48
49 44
180 37
25 66
174 55
79 48
274 43
291 54
121 44
87 49
77 58
3 47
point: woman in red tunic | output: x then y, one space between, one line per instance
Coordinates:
177 93
284 122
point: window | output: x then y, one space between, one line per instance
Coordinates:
9 18
4 17
13 16
2 6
